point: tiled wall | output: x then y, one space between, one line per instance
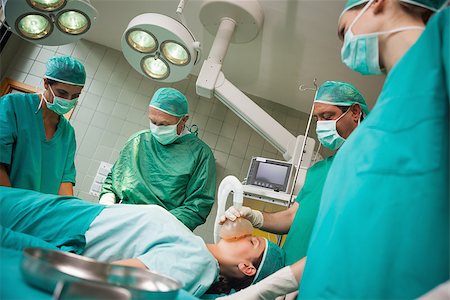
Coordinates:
114 105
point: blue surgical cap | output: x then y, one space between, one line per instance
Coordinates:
66 69
171 101
340 94
432 5
273 259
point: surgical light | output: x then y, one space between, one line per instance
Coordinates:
160 47
73 22
50 22
155 68
47 5
34 26
175 53
141 41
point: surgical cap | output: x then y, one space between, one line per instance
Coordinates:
432 5
66 69
272 261
340 94
170 101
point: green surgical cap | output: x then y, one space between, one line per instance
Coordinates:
170 101
66 69
340 94
272 261
432 5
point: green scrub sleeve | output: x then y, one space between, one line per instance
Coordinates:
8 130
200 193
69 170
107 186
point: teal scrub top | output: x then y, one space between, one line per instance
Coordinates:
33 162
297 240
66 220
383 225
181 177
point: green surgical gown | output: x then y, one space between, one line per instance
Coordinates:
33 162
297 240
181 177
383 225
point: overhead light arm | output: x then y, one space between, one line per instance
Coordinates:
278 136
212 82
222 40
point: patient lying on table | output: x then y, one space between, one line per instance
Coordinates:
145 236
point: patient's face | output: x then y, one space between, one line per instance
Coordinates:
248 248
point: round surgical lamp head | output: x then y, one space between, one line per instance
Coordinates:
50 22
34 26
159 47
155 68
47 5
141 41
73 22
175 53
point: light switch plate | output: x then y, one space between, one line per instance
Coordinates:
102 172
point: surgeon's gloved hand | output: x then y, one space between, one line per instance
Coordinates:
279 283
107 199
254 216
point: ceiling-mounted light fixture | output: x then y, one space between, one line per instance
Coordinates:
50 22
47 5
160 47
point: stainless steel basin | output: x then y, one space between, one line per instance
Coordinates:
86 290
44 268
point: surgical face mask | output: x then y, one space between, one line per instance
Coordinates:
361 52
164 134
60 105
328 134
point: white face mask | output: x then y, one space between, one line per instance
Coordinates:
361 52
165 134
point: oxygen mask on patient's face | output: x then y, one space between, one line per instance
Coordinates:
234 230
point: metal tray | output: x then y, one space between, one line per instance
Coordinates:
44 268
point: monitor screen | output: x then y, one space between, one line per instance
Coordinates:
272 173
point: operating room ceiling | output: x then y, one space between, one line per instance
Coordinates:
297 43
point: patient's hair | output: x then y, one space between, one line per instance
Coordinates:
224 285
